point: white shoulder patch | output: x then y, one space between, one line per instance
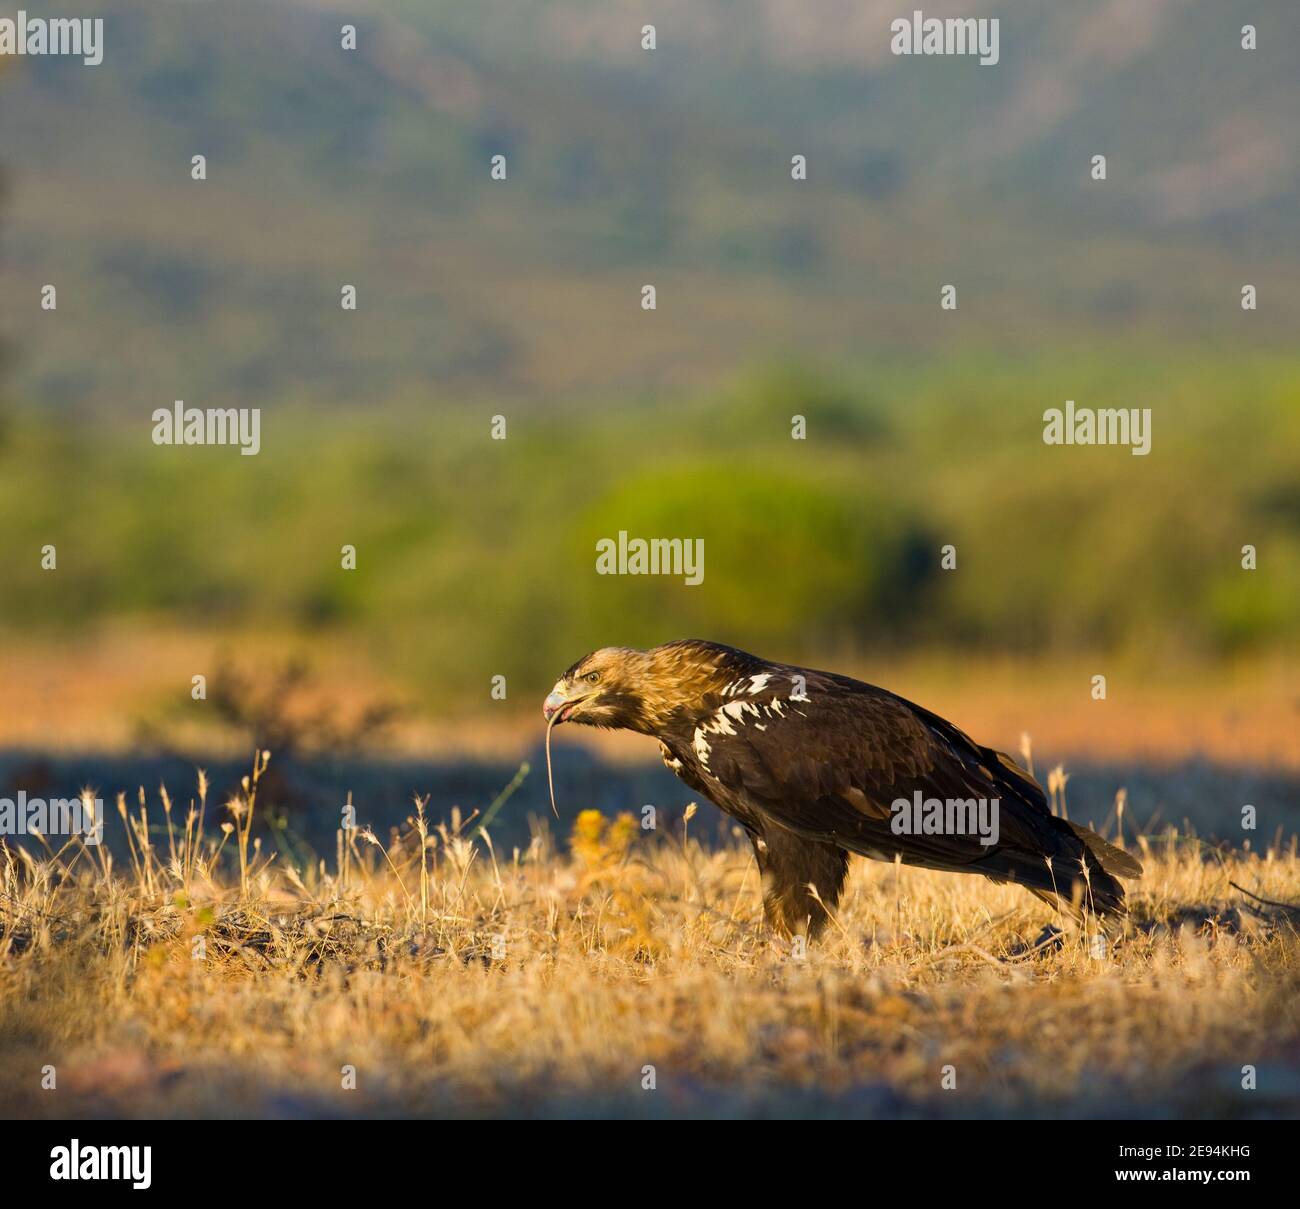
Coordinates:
720 724
738 710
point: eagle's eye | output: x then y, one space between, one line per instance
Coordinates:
592 677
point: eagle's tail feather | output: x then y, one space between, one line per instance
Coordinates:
1064 883
1102 897
1113 860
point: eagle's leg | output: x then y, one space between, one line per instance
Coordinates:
789 864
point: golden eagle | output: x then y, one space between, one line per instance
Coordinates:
817 766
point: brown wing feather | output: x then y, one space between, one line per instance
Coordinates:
828 763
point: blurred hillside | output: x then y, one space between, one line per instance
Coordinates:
776 298
673 167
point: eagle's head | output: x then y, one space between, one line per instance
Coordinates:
627 689
606 688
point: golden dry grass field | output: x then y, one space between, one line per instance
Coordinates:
618 971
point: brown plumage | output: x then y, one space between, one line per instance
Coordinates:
817 766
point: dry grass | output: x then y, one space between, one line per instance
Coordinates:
458 979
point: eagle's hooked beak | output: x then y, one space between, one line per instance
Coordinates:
552 705
559 702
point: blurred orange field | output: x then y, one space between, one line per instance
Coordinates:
90 694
